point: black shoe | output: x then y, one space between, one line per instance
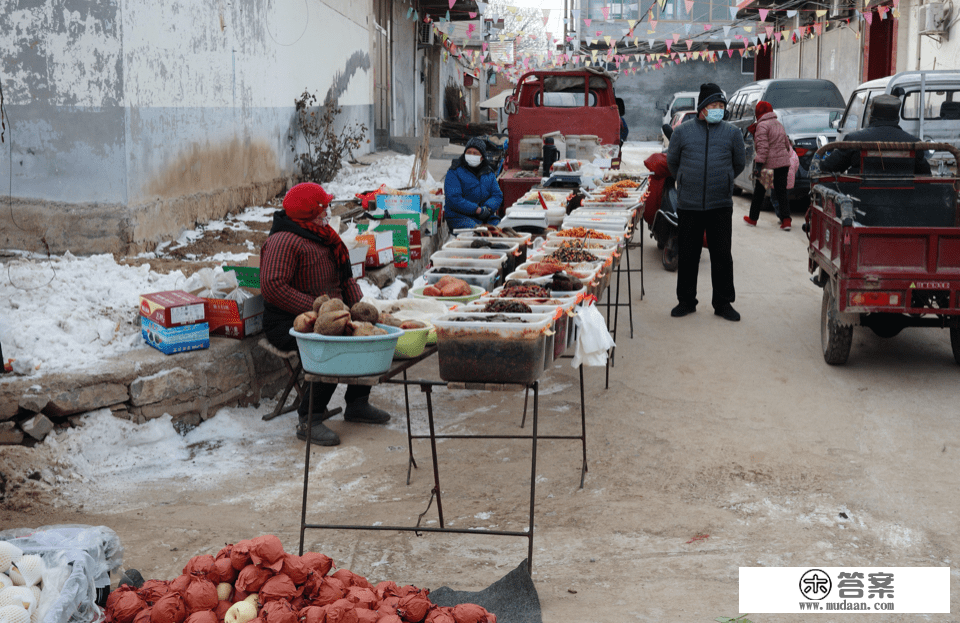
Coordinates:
320 435
727 312
682 310
362 412
317 417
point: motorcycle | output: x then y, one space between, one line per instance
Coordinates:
660 207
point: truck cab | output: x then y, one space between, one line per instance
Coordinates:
930 105
572 102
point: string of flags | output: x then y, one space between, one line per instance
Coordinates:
755 39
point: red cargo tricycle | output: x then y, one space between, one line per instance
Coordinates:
885 246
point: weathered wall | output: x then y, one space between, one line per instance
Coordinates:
933 53
645 93
407 88
135 119
833 56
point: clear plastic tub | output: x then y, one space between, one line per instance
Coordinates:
510 247
555 214
469 258
554 242
554 294
488 280
614 228
556 343
471 350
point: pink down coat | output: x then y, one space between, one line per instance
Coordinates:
771 143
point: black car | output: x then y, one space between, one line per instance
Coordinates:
803 126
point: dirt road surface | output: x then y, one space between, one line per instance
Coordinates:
717 445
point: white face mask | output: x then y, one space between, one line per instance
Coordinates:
472 160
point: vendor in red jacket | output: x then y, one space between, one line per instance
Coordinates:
301 259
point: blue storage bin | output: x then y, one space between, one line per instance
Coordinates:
337 355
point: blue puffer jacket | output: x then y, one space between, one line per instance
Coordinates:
466 188
705 158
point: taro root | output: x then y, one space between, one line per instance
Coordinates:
412 324
388 319
331 322
333 305
319 301
364 312
362 329
304 322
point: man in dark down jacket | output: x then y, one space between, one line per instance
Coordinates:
705 156
883 127
472 195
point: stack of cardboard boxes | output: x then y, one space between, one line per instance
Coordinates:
398 239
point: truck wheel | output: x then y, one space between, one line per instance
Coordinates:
955 342
671 255
835 339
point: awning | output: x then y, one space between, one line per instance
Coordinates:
497 101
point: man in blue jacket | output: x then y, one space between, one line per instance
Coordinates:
472 195
704 157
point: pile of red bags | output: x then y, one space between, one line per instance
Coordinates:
287 589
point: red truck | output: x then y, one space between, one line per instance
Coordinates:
885 247
573 102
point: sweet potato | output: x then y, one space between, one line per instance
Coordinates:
332 322
412 324
320 300
304 322
364 312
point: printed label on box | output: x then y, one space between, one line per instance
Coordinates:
172 308
170 340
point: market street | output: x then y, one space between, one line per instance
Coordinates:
717 445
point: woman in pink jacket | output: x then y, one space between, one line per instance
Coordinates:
772 152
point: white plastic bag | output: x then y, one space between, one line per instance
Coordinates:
349 235
212 283
594 339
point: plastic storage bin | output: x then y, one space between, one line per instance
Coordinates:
471 350
488 280
511 247
336 355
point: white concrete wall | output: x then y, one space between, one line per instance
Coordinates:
834 55
931 53
145 116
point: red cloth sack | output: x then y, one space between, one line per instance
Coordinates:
251 578
317 562
143 616
342 611
123 605
169 609
278 611
152 590
202 616
202 565
279 586
267 552
413 608
295 568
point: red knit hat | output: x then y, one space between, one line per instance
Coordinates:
763 108
304 202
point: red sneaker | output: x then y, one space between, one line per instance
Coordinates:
749 221
785 224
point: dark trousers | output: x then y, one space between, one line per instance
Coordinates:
782 203
718 226
277 327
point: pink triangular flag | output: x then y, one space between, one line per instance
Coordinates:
606 12
689 5
587 21
763 14
472 14
669 42
452 2
868 15
730 53
653 23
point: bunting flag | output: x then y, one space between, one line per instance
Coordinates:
607 40
733 13
818 28
726 31
687 27
821 12
452 2
868 15
689 44
409 12
769 30
727 42
669 42
707 27
606 12
763 14
472 14
546 16
481 7
653 23
791 14
576 15
631 23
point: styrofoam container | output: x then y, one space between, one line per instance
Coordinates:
555 214
488 280
337 355
469 258
492 352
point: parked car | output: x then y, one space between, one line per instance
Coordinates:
938 90
682 100
803 126
782 93
677 119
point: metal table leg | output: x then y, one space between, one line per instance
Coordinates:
306 468
411 462
533 474
433 449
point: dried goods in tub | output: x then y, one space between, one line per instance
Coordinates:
562 282
389 319
448 286
292 589
548 266
458 270
610 194
519 290
488 244
412 324
583 232
507 307
491 231
573 256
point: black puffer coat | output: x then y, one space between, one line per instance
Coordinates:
705 158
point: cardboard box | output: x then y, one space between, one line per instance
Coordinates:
379 247
400 228
358 257
170 340
400 203
173 308
416 245
235 319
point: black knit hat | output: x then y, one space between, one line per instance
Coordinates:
709 93
885 108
